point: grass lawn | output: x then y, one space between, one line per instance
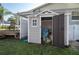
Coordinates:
17 47
3 27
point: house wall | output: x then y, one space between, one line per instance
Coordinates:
71 29
34 32
23 27
56 6
74 28
74 21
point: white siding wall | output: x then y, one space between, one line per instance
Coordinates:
23 27
74 32
71 32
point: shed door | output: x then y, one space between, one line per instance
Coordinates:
34 30
58 30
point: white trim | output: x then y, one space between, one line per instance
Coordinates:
28 30
40 27
48 11
53 12
66 27
76 20
20 27
47 15
40 13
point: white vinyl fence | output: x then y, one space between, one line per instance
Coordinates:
74 32
23 27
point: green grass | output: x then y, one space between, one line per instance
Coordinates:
17 47
4 27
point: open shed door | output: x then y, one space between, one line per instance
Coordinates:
58 30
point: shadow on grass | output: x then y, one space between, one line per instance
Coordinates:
19 47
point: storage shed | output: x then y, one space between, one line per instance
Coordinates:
57 19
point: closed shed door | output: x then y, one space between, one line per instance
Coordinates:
58 30
34 35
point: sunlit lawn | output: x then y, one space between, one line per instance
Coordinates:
3 27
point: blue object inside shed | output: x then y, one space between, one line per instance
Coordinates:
44 32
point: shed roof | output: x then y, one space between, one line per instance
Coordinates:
67 7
